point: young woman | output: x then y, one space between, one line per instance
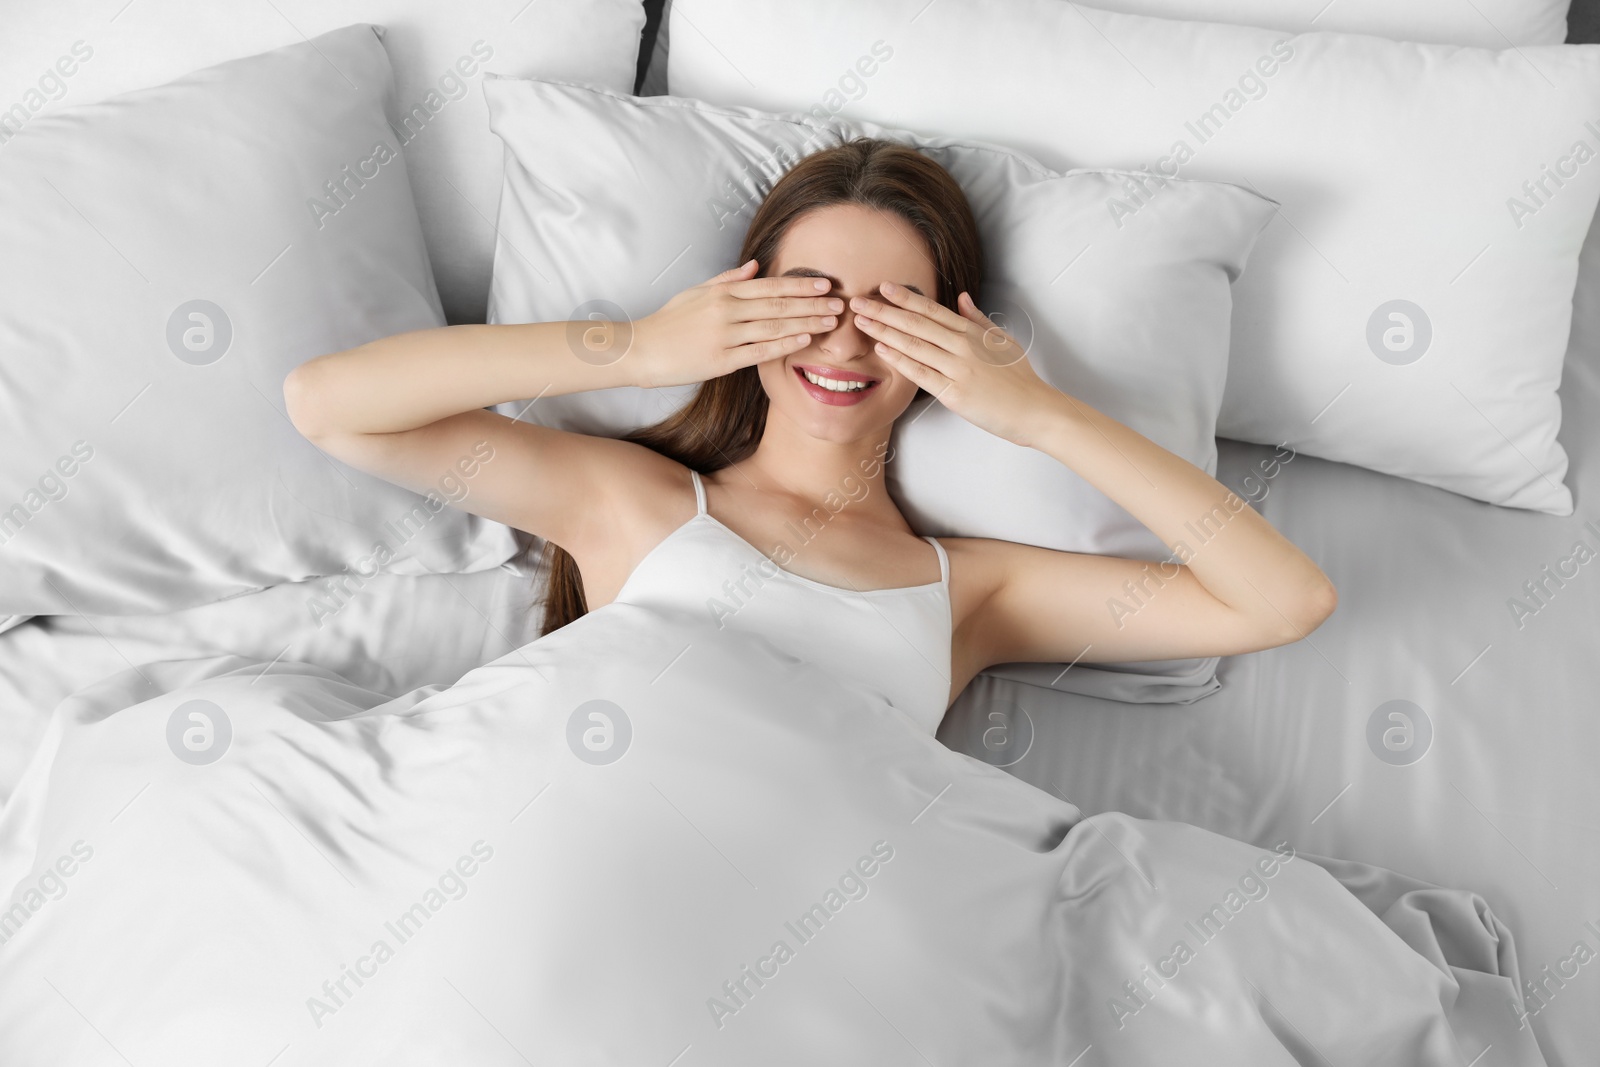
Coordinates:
855 294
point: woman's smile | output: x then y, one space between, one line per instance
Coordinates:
830 385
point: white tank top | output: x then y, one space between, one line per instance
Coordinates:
894 642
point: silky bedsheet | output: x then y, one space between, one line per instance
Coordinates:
641 840
390 633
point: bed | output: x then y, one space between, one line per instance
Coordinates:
1430 727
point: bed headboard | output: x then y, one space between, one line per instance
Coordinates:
647 41
1583 22
1583 27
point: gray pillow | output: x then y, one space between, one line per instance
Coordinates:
167 257
629 200
66 52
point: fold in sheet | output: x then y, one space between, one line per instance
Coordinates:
641 838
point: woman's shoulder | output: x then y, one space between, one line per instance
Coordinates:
981 567
637 498
975 554
639 484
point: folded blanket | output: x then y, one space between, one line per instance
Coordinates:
644 841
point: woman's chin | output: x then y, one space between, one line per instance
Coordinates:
843 426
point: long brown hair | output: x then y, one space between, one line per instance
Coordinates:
724 422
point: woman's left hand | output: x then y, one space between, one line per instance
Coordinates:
968 363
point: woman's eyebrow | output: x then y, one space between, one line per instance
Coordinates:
812 272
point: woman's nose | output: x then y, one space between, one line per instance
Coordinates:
846 340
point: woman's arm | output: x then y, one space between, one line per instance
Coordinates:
412 379
1246 587
408 408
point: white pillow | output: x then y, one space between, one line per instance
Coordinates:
439 51
1485 23
1395 164
629 200
163 271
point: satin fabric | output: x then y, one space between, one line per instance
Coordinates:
531 902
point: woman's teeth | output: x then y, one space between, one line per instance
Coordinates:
836 386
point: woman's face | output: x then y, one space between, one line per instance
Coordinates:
819 388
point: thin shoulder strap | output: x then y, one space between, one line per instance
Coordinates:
700 493
944 560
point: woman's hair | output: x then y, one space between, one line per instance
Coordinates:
724 422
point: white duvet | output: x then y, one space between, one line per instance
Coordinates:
644 841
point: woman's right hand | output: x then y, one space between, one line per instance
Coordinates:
733 320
